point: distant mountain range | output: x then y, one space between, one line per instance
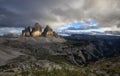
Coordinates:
88 48
66 33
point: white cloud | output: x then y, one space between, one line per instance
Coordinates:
60 13
6 30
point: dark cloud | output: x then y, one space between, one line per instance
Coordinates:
57 12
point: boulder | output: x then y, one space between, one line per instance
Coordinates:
36 30
26 32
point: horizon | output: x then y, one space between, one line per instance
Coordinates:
80 17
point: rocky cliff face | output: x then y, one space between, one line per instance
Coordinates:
48 32
82 49
36 30
26 32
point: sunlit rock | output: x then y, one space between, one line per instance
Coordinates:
48 32
36 30
26 32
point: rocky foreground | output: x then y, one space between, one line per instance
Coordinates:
94 55
11 48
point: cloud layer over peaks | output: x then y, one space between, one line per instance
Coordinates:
58 12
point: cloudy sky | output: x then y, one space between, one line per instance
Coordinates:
58 13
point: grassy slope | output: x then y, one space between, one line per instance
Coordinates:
106 66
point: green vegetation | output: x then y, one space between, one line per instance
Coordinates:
33 71
104 67
54 58
75 43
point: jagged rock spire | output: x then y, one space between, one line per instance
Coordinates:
26 32
47 31
37 27
36 30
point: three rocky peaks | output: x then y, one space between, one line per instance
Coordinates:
36 31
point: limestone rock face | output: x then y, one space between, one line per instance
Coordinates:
48 31
26 32
36 30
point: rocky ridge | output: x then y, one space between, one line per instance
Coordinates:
83 49
54 51
26 32
37 31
